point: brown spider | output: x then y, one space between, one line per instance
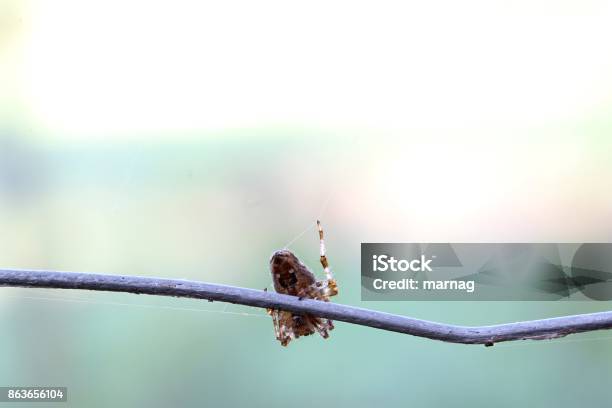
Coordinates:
292 277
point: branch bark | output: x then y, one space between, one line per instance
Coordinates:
487 335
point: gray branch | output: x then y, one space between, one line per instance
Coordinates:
487 335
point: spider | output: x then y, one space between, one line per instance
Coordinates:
292 277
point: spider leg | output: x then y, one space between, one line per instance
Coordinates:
284 327
277 329
321 325
324 262
331 287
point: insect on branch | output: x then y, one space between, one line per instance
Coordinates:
487 335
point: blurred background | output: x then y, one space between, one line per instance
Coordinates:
192 139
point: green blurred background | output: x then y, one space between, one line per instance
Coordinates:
192 139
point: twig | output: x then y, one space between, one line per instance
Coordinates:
487 335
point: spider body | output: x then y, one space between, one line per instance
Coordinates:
292 277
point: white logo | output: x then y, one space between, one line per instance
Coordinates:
382 263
